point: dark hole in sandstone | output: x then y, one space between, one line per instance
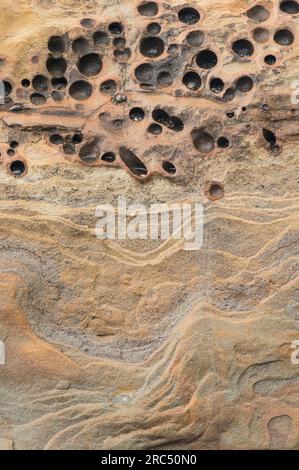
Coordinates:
90 65
59 83
56 67
10 152
56 139
137 114
155 129
173 49
56 45
192 80
202 140
7 88
108 157
163 118
148 9
89 152
69 149
57 95
25 83
270 137
122 55
154 28
169 167
216 85
151 47
258 13
135 165
100 38
119 42
37 99
230 115
195 38
80 90
223 142
189 15
291 7
40 83
17 168
88 23
77 139
261 35
215 191
244 84
229 94
144 73
284 37
108 87
270 59
14 144
164 79
116 28
243 48
206 59
80 45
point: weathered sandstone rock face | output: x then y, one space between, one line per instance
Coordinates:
142 344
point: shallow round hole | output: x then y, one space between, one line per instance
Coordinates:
284 37
151 47
80 90
40 83
57 95
7 88
203 141
144 73
270 137
56 45
154 28
164 79
169 167
223 142
108 87
38 99
11 152
80 45
290 6
108 157
215 191
59 83
100 38
56 139
244 84
69 149
137 114
119 42
77 139
230 115
17 168
116 28
244 109
258 13
216 85
122 55
195 38
189 15
261 35
155 129
192 81
229 94
88 23
14 144
270 59
90 65
243 48
174 49
56 67
148 9
25 83
206 59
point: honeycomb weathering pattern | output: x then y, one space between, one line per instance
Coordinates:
124 345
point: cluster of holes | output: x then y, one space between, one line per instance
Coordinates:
204 142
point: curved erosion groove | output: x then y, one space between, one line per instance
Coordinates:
128 344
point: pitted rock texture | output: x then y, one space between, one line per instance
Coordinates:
141 344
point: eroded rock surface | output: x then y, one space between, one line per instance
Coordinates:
141 344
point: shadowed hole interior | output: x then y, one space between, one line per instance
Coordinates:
216 85
56 45
59 83
243 48
195 38
80 90
116 28
144 73
25 83
261 35
108 87
206 59
284 37
244 84
90 65
11 152
80 45
69 148
56 139
215 191
172 122
17 168
192 81
77 139
57 95
155 129
7 88
154 28
223 142
56 67
108 157
137 114
148 9
270 137
270 59
164 79
100 38
151 47
89 152
122 55
258 13
189 15
88 23
230 115
229 94
130 159
169 167
38 99
290 6
40 83
14 144
119 42
202 140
